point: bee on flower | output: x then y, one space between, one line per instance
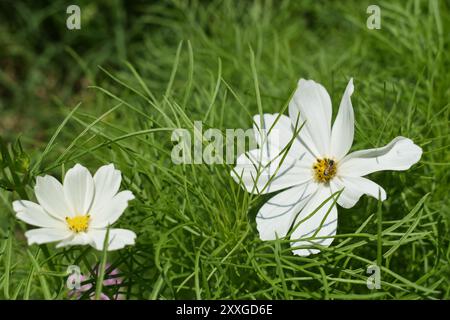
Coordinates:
308 162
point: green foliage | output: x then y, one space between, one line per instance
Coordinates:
166 64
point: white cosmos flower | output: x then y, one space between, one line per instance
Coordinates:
312 166
78 212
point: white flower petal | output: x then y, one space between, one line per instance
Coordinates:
276 216
109 214
400 154
34 214
118 238
311 105
260 174
322 223
50 195
353 188
343 127
107 183
76 239
276 133
46 235
79 189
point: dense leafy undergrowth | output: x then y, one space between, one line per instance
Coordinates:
113 92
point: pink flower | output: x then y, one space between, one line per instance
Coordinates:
110 280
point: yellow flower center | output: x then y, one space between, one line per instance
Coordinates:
324 170
78 223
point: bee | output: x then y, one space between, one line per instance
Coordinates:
329 167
